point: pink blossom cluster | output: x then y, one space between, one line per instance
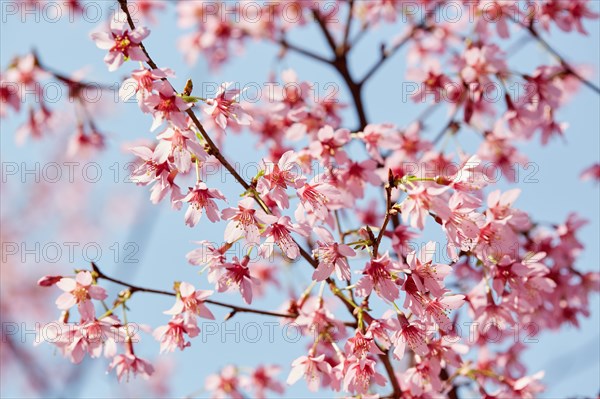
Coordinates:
310 203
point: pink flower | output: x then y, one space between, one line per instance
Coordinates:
415 208
191 301
237 276
224 384
330 144
357 175
332 256
278 232
428 276
439 308
461 223
314 369
277 177
172 336
360 374
244 221
361 346
377 137
500 209
208 254
179 147
167 105
317 198
408 333
38 122
84 144
379 274
263 379
48 281
122 43
92 336
141 83
128 363
225 106
591 173
147 171
79 291
200 199
529 387
9 95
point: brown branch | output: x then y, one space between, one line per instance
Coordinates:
388 212
568 68
563 62
235 309
397 391
328 37
300 50
386 54
348 27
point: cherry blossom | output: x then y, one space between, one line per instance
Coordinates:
314 369
201 199
226 107
381 275
237 276
123 44
79 291
375 237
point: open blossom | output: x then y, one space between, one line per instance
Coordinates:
361 345
407 333
200 199
313 368
377 137
226 107
93 337
278 176
141 84
191 301
428 276
380 275
462 223
148 171
209 255
79 291
278 232
172 336
122 43
439 309
263 379
332 256
360 374
128 363
317 198
180 148
243 221
500 208
358 174
224 384
420 200
166 105
330 144
591 173
237 276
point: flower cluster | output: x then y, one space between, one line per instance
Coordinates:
356 208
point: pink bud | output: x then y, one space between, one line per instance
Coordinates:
48 281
